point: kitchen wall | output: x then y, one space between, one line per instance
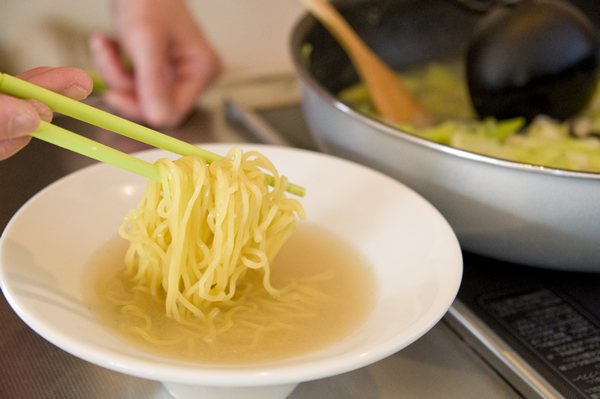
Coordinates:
251 35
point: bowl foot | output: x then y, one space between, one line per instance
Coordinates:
186 391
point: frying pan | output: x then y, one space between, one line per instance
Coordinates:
516 212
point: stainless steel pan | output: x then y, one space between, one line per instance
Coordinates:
506 210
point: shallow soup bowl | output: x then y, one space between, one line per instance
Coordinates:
414 254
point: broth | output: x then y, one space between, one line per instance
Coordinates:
333 293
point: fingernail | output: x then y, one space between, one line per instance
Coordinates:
22 125
75 92
44 112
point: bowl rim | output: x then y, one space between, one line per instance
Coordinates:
299 32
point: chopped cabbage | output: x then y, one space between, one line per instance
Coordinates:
441 89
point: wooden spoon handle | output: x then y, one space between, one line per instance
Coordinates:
390 97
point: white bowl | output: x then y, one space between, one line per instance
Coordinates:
417 260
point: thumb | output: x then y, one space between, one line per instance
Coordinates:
153 77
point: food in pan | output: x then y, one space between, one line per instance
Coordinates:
573 144
526 90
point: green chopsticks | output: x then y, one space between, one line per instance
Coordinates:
63 138
82 145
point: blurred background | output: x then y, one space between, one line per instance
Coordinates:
251 35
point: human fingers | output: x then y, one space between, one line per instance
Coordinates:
106 60
135 97
194 73
120 92
19 118
33 72
194 62
70 82
172 60
172 68
148 50
143 29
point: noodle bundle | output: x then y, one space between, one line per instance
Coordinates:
193 237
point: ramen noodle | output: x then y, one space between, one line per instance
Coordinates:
194 236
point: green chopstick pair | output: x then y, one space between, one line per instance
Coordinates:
63 138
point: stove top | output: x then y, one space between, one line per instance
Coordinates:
550 318
539 327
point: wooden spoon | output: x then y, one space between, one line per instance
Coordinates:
391 98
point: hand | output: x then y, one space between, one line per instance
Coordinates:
19 118
172 62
